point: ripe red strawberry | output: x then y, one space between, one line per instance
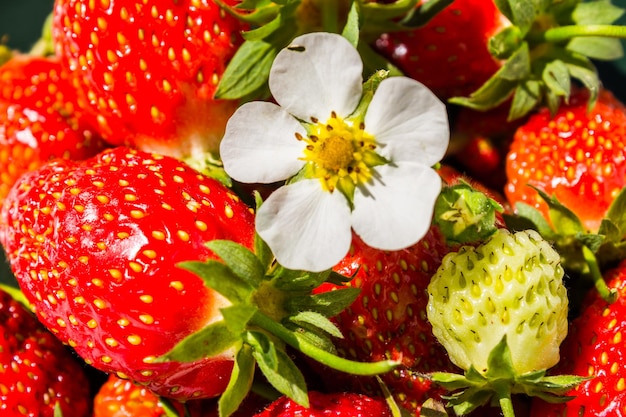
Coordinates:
449 54
340 404
94 246
148 69
388 318
40 118
594 348
36 371
577 155
122 398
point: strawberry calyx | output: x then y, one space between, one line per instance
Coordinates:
499 382
548 46
271 308
275 24
464 214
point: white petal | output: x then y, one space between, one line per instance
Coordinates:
260 145
396 212
306 228
409 122
317 73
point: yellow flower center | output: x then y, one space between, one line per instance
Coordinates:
340 153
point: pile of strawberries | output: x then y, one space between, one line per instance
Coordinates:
142 289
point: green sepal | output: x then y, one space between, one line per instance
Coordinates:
557 79
373 61
329 303
243 262
616 214
351 30
317 320
465 214
499 381
526 97
529 217
566 221
168 407
208 341
240 382
420 16
262 250
521 13
57 409
601 12
433 408
222 279
210 166
278 368
501 85
596 47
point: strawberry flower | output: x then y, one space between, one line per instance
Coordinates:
356 156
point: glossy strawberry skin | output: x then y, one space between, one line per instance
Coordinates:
36 370
341 404
147 70
594 348
388 318
119 397
94 246
576 156
449 54
40 118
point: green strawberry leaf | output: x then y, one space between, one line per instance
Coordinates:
278 368
240 260
209 341
240 382
222 279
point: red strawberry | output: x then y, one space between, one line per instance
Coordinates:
388 319
594 348
576 155
40 118
449 54
36 371
343 404
94 245
148 69
122 398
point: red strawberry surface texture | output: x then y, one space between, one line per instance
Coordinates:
40 118
95 247
147 70
37 373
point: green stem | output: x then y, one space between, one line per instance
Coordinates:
607 294
320 355
564 33
506 405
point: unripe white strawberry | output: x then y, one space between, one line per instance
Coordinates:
510 285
